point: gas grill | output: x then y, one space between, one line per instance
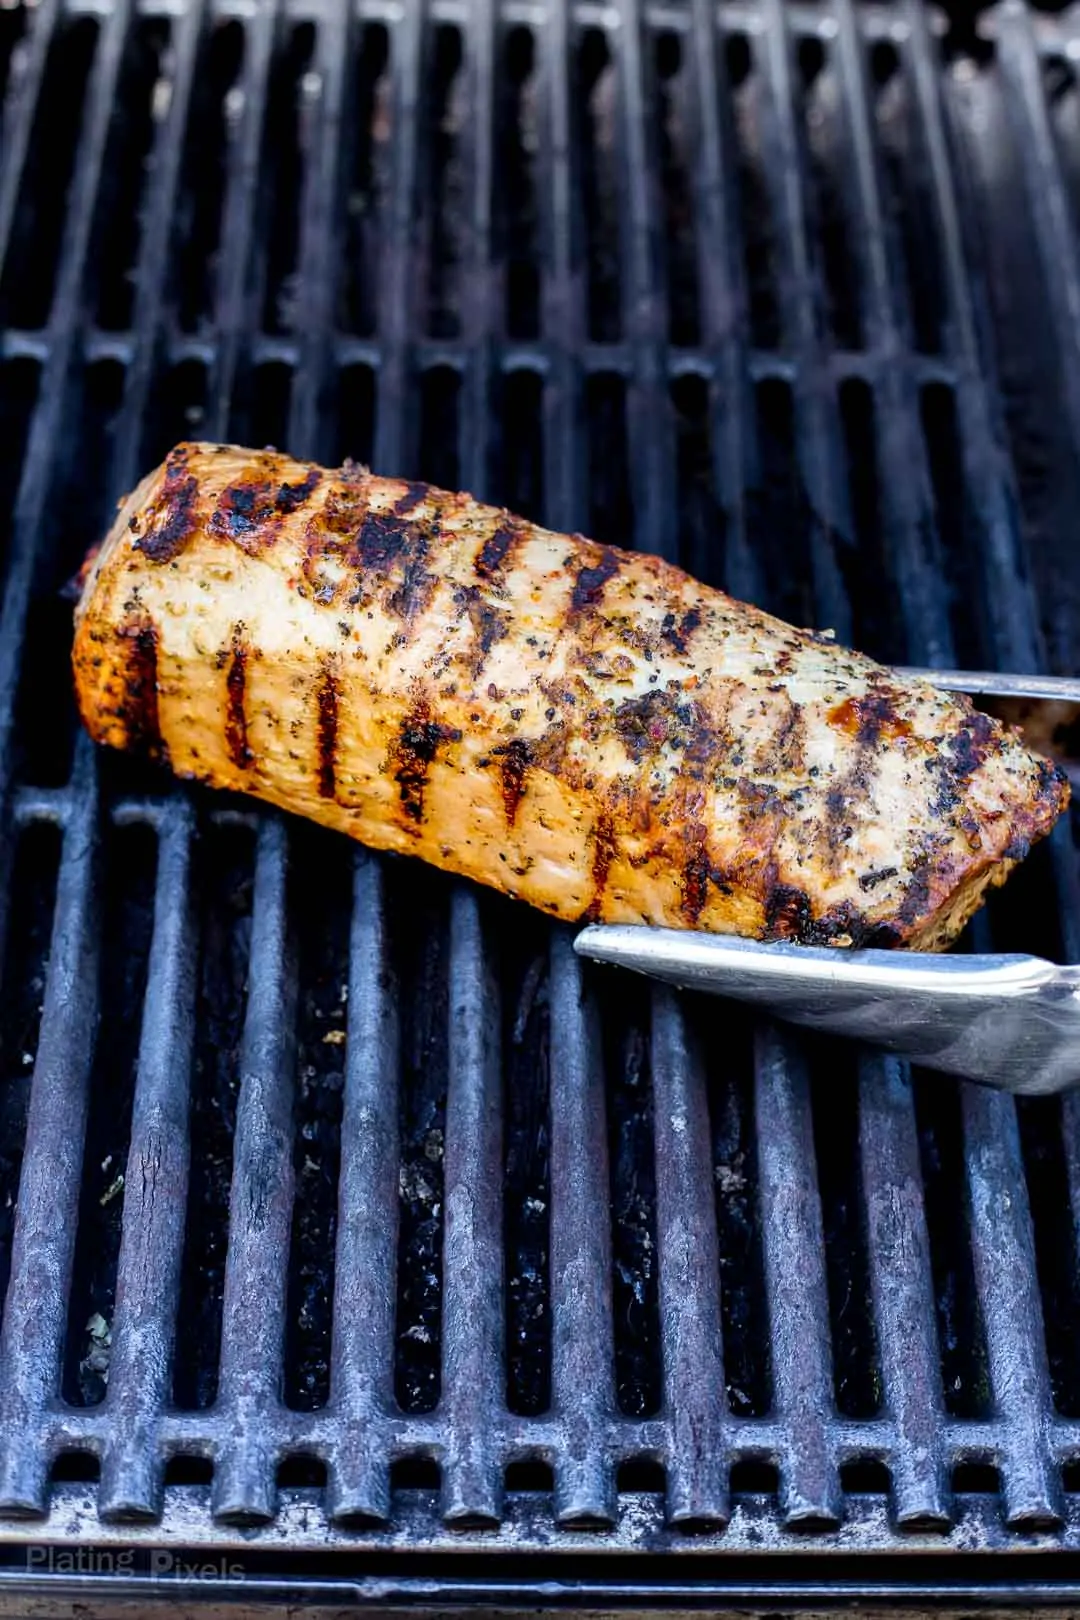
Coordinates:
357 1245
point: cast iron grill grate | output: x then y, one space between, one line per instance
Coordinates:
790 293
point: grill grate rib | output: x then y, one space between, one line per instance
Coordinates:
695 111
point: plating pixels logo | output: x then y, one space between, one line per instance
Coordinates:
158 1563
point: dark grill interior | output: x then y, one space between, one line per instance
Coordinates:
790 293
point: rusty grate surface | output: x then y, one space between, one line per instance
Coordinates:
338 1200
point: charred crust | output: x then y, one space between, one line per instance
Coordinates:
491 557
326 699
172 519
871 718
592 580
915 901
604 849
666 716
139 709
788 913
676 632
246 515
418 741
342 512
972 741
380 541
236 733
514 760
870 880
415 495
291 496
695 872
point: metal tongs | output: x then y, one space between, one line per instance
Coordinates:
1008 1021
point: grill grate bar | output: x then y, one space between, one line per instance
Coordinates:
362 1358
517 354
253 1335
905 484
818 452
1018 56
689 1275
473 1369
1007 609
1002 1240
19 111
411 1435
45 429
644 300
155 1194
260 1203
898 1249
155 1181
1003 1251
260 1199
902 1289
723 300
479 300
320 248
580 1239
560 312
1021 72
235 311
396 280
32 1334
473 1377
581 1329
795 1282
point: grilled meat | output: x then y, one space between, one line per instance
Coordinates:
585 728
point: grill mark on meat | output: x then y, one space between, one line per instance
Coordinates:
490 624
916 896
854 787
514 760
381 539
327 697
175 506
236 735
411 755
292 496
695 873
414 496
786 752
491 558
412 596
591 581
604 848
139 709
